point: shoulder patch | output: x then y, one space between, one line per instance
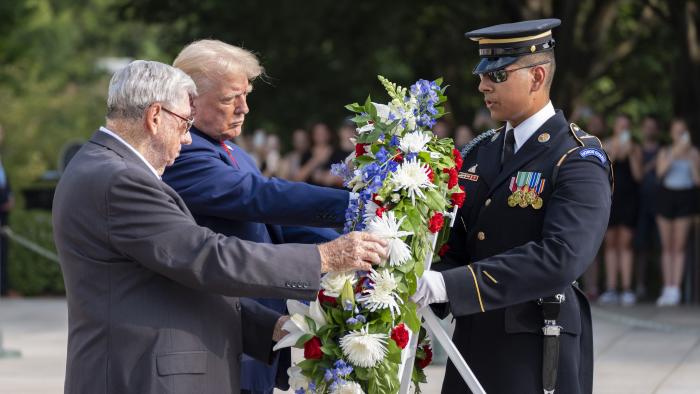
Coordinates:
585 152
478 139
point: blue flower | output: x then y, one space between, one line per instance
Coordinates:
361 319
411 156
381 155
328 376
348 305
300 390
394 141
350 321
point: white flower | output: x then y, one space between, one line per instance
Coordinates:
414 142
365 128
356 182
383 294
383 111
370 211
297 380
297 326
333 282
388 228
348 388
413 177
364 349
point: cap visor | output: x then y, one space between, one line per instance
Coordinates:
488 64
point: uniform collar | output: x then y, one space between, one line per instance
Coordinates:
528 127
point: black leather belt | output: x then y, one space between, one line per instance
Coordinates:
550 348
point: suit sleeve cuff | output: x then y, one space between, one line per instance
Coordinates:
463 291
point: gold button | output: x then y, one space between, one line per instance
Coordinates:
481 236
488 202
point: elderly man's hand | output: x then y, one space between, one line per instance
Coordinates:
353 251
280 332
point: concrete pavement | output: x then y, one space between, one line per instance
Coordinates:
638 350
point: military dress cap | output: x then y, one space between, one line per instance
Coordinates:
502 45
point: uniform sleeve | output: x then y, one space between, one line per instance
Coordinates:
146 225
212 188
574 226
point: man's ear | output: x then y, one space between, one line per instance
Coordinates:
539 76
153 118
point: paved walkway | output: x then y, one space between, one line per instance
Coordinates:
638 350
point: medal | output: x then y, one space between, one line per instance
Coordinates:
511 201
537 204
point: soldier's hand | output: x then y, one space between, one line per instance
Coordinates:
430 290
353 251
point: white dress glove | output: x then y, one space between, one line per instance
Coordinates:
431 289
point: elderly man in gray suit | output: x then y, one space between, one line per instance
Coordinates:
151 295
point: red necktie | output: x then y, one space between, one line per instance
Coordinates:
228 151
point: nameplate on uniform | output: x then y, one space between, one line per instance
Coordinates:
593 152
469 177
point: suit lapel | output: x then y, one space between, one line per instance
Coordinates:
487 155
530 150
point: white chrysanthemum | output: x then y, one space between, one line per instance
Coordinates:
332 283
297 326
388 228
364 349
383 294
412 176
414 142
297 380
348 388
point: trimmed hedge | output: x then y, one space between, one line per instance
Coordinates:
29 273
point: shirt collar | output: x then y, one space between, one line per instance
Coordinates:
120 139
528 127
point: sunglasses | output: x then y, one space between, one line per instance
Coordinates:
500 76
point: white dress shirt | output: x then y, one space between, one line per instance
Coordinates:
118 138
528 127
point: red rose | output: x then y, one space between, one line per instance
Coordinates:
431 174
398 158
312 349
322 297
445 248
458 199
436 222
359 150
400 335
422 363
458 158
452 182
380 211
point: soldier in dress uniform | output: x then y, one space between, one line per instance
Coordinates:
538 200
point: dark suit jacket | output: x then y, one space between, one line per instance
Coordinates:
227 193
151 295
501 259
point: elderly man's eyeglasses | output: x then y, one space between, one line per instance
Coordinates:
188 121
500 76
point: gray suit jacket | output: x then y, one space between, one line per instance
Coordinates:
151 295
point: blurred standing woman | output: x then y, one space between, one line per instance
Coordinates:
625 155
678 168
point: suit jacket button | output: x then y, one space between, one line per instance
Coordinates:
481 236
487 202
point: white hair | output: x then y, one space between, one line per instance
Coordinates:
142 83
206 61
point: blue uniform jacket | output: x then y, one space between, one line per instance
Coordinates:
232 197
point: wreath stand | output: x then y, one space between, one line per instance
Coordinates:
432 324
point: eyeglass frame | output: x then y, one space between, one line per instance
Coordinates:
494 79
188 121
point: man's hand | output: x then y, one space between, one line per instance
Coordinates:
279 333
431 289
353 251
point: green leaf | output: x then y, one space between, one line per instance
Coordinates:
393 352
411 317
302 340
